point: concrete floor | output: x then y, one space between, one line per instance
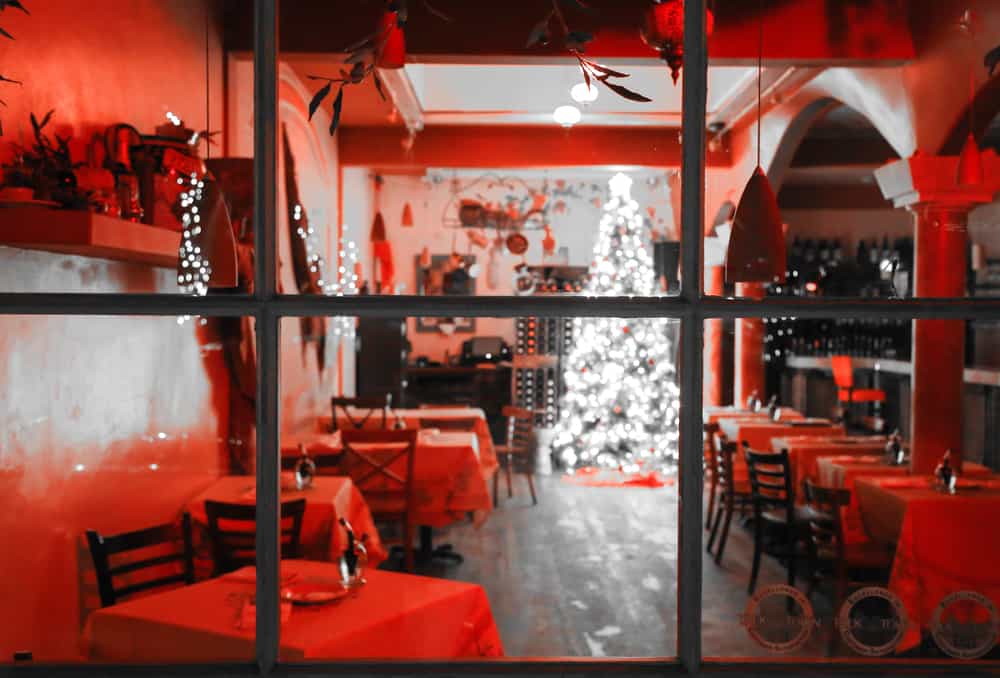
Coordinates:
592 572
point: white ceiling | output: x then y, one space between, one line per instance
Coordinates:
528 93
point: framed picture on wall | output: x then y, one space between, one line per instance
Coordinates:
445 274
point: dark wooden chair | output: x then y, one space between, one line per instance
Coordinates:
710 452
232 529
369 405
520 444
830 556
104 547
449 423
733 495
383 473
779 525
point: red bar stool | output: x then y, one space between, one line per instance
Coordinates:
847 394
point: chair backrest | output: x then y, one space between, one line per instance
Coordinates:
369 406
770 480
104 547
843 371
725 453
380 463
233 531
710 451
826 530
449 423
520 428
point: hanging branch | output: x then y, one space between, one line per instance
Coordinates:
361 59
4 4
575 42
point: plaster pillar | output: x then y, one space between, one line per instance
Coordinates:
926 186
713 395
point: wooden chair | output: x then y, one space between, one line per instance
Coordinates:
450 423
384 476
733 495
520 444
372 405
847 394
830 556
710 452
232 529
103 547
779 525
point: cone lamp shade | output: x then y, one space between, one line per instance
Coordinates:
391 53
970 164
756 251
407 220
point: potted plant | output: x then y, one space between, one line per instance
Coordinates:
18 182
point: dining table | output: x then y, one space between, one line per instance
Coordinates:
450 474
714 415
328 499
392 616
411 418
944 543
843 471
804 451
758 432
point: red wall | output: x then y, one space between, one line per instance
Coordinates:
105 423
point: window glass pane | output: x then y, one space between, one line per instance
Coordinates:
571 555
873 475
113 426
124 186
869 199
417 163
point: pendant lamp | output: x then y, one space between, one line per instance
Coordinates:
407 220
756 251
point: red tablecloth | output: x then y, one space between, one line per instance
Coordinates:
803 451
944 543
411 417
716 414
844 471
759 432
329 499
450 473
394 616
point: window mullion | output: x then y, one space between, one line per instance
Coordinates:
692 210
267 329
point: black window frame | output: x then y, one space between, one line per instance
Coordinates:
691 307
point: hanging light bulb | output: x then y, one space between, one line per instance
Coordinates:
756 250
583 93
567 116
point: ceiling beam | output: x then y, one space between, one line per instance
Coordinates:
515 146
400 90
796 32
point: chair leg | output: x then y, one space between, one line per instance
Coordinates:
724 535
715 528
758 539
408 560
711 505
510 490
531 488
496 488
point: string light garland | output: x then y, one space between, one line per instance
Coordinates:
621 401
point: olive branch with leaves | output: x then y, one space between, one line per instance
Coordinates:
362 56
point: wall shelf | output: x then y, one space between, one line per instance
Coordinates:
89 235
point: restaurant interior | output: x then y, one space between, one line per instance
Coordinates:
478 458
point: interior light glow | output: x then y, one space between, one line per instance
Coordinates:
584 94
567 116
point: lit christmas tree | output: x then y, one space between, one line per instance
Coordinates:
621 401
